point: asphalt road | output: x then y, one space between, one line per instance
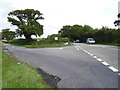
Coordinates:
107 53
78 66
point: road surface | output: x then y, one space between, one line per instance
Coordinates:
78 66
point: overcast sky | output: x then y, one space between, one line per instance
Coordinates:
64 12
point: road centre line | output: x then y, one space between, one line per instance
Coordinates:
100 60
77 48
87 52
84 50
105 63
91 54
113 69
94 56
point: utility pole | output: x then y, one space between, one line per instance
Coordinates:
118 13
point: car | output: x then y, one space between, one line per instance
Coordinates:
90 41
77 41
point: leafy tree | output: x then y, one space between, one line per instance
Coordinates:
75 32
26 21
71 32
103 35
87 28
117 22
7 34
65 31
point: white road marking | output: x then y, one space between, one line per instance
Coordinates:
91 54
118 73
88 53
60 48
77 48
113 69
84 50
50 48
99 59
105 63
95 56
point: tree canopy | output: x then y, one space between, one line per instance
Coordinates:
75 32
117 22
7 34
78 32
27 22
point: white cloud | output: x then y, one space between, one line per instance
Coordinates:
68 12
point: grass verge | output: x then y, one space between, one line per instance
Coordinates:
47 45
20 75
38 44
112 44
44 45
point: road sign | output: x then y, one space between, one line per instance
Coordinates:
56 38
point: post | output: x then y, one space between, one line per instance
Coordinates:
118 13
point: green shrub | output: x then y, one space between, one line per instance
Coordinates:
40 42
63 40
23 41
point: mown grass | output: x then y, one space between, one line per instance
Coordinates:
20 75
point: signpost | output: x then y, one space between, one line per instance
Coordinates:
56 38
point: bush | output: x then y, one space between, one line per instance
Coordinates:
23 41
40 42
63 40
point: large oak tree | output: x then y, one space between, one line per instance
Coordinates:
27 22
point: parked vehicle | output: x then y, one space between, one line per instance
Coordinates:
77 41
90 41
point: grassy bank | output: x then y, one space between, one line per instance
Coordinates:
45 45
38 44
20 75
112 44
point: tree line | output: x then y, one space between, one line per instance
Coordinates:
28 25
79 32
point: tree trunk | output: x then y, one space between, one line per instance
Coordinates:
27 36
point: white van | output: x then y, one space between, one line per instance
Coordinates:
90 41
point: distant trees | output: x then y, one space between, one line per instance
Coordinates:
7 34
75 32
103 35
26 21
106 36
